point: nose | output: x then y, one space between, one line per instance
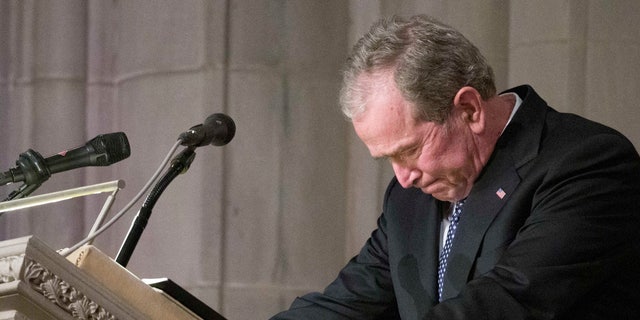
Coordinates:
407 176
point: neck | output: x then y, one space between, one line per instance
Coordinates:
498 109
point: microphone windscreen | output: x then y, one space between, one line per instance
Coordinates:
224 129
114 145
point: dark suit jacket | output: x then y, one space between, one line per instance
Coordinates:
562 243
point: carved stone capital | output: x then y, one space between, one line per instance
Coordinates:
59 292
10 268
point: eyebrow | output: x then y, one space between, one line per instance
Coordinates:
397 151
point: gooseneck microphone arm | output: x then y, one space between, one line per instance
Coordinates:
218 129
179 164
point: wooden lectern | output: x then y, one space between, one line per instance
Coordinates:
38 283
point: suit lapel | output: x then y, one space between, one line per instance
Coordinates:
481 207
517 146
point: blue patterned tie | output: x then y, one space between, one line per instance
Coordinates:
444 255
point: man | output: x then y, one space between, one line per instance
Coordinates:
501 207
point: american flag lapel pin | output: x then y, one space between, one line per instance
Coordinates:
501 193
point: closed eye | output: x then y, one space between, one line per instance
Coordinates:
406 154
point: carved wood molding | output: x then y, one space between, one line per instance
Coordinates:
61 293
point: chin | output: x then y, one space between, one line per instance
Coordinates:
442 196
447 193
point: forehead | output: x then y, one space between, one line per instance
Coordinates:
386 123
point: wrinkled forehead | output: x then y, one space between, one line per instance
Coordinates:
369 86
386 119
378 96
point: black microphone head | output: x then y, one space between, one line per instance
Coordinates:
224 129
218 129
110 148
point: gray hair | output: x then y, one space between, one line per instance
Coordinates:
430 60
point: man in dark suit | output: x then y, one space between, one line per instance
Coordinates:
501 207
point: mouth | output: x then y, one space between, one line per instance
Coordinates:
440 189
434 186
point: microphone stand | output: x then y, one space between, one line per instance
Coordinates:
179 164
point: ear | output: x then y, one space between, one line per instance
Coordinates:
468 105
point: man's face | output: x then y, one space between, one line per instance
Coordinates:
440 159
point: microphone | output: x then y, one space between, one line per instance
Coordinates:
103 150
218 129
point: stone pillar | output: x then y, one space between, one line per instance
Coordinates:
44 85
284 222
581 57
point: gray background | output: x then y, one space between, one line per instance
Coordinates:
279 210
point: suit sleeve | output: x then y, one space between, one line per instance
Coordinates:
362 290
580 235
